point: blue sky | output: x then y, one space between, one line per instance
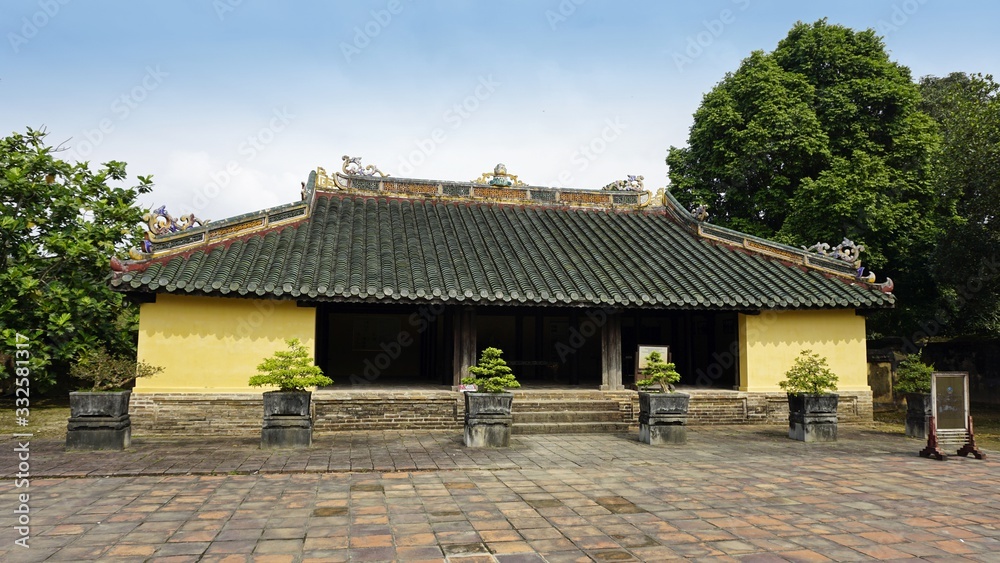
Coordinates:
230 103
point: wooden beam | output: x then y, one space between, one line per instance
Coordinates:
611 353
465 343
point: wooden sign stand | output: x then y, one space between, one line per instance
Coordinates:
933 449
950 408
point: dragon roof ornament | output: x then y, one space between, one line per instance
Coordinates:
352 166
846 251
631 183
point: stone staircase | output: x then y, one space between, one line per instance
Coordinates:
566 412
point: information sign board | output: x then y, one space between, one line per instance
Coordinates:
643 353
950 399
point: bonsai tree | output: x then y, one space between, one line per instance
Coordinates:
104 372
658 372
491 374
290 370
809 375
913 376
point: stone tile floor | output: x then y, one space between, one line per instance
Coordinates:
739 493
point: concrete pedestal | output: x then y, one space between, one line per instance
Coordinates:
488 420
657 431
488 432
813 427
918 415
286 432
99 433
812 418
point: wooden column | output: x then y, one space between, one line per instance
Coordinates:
465 343
611 353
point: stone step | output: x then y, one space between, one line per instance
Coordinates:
533 405
569 428
558 395
566 416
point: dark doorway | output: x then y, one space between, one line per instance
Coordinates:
544 347
703 345
383 346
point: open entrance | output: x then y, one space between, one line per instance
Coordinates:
363 346
384 346
544 347
704 346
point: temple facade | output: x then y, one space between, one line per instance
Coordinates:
397 284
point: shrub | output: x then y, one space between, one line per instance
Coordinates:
809 375
913 376
658 372
491 374
105 372
290 370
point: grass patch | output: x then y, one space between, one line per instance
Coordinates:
986 419
47 417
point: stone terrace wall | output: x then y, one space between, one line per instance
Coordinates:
190 414
429 410
240 414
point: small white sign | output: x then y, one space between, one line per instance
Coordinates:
643 353
470 388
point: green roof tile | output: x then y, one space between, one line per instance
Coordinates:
377 248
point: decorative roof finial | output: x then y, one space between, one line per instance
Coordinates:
499 178
700 213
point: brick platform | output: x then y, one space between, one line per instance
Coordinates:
239 414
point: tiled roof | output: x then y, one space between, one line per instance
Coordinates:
378 246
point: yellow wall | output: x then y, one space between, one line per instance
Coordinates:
213 344
770 342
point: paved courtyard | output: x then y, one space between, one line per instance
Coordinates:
731 494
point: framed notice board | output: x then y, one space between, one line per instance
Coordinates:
643 351
952 423
950 399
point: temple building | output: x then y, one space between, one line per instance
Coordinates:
397 284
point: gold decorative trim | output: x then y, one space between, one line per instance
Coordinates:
500 194
598 197
228 230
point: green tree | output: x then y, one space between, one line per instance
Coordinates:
966 264
659 372
290 370
491 374
60 223
809 375
821 139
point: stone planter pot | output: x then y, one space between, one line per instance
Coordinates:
918 415
488 420
663 418
99 421
812 418
287 420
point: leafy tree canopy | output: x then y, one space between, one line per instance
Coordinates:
821 139
491 374
966 265
290 370
60 223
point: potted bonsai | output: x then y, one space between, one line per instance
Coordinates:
662 412
812 405
487 409
99 418
287 416
913 379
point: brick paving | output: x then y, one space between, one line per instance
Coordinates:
731 494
